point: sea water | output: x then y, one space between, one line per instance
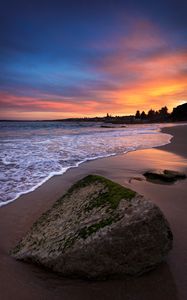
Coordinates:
32 152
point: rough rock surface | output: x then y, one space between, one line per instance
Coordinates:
98 229
165 176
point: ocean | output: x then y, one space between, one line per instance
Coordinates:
33 152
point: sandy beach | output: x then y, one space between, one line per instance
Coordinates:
23 281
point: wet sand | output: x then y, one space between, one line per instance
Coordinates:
23 281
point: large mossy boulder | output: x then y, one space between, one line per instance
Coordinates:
98 229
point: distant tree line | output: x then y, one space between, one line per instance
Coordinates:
179 113
162 115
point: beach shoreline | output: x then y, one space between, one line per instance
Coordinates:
29 176
30 282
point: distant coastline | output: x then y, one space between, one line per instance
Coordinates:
178 114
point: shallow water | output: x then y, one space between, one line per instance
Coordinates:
32 152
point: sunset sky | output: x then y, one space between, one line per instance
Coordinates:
85 58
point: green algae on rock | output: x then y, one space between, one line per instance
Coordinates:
98 229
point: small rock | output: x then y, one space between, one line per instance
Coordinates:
165 176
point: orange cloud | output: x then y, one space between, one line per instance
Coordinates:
150 73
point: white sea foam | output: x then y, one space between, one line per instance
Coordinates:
31 153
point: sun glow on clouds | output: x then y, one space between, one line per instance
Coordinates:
137 71
21 107
151 74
